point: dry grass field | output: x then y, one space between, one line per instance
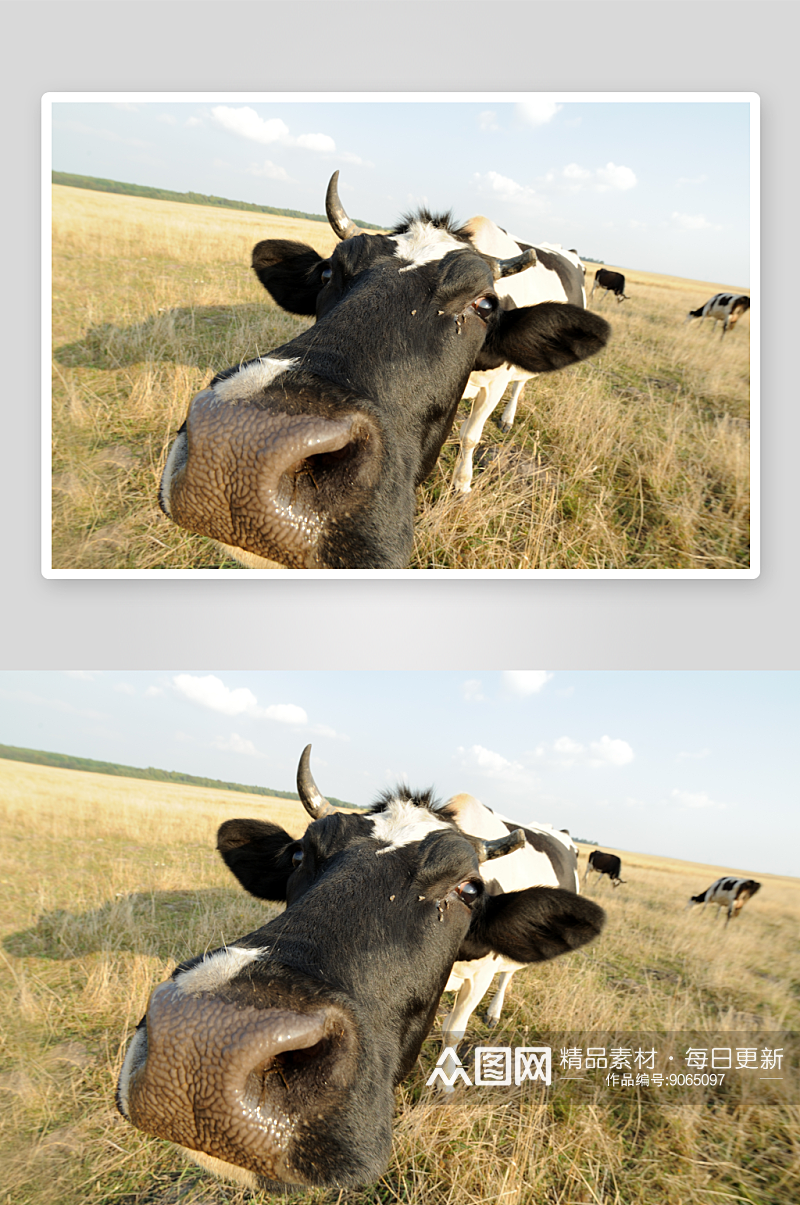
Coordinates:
106 883
636 459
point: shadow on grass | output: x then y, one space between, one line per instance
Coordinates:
147 922
193 336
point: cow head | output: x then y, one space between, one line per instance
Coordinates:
273 1060
310 456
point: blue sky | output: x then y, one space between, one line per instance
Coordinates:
694 765
662 186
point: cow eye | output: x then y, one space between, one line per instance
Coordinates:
326 274
468 892
485 306
297 857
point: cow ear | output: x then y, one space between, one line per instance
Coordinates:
537 924
259 854
543 338
291 272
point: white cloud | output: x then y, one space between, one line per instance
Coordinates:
212 693
504 187
153 692
472 690
246 123
611 176
317 142
285 713
488 121
209 691
689 221
268 169
124 688
695 799
493 765
608 752
236 744
526 682
538 111
575 178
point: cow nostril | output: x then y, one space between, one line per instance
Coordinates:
328 460
290 1075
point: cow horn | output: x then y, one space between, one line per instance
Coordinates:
517 263
315 804
335 210
501 845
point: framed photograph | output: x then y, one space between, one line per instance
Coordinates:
392 335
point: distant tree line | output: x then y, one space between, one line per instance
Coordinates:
189 198
65 761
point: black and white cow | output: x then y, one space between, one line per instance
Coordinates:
727 892
555 275
608 864
309 457
726 308
273 1059
549 858
612 282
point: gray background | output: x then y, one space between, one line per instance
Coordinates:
148 46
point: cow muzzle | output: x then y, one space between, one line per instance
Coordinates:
267 482
242 1085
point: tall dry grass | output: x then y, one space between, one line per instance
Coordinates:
107 883
636 459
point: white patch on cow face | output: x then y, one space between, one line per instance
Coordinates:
216 970
251 380
226 1171
135 1058
423 244
402 823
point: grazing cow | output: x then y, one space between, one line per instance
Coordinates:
555 275
310 456
273 1059
612 282
727 892
726 308
605 864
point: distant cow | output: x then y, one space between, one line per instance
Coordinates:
728 893
612 282
726 308
605 864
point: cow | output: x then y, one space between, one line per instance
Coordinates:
273 1059
727 892
556 275
612 282
726 308
605 864
309 457
548 858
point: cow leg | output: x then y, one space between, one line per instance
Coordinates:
496 1007
471 430
454 1025
509 414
